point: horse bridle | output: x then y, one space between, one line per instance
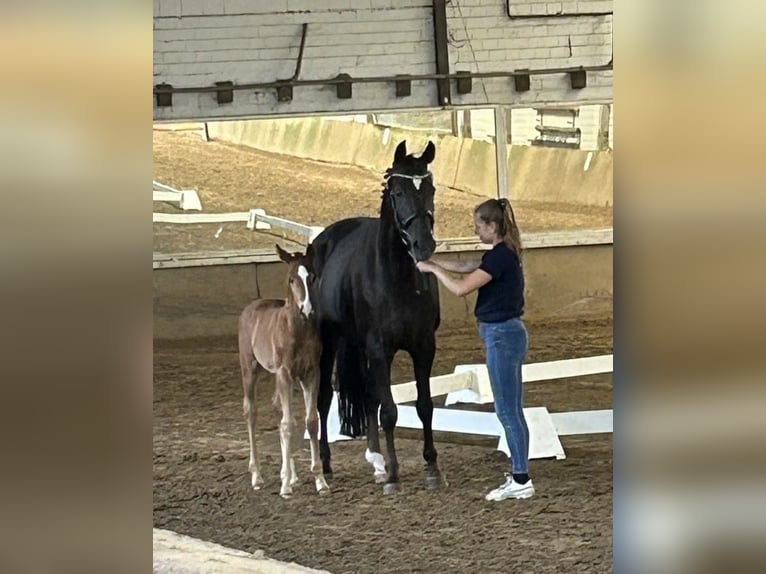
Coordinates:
402 225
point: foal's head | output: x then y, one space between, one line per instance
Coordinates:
300 276
410 191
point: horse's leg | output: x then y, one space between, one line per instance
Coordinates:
310 391
380 378
285 431
250 368
357 372
422 361
372 455
326 363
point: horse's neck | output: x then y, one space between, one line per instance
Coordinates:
288 311
392 253
292 319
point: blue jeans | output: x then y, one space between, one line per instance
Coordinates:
507 345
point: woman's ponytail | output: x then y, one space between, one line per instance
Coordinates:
511 237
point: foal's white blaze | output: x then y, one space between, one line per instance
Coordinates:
305 305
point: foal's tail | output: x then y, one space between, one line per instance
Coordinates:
351 378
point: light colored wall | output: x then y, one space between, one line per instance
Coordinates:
206 301
536 173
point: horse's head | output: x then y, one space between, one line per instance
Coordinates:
410 191
300 276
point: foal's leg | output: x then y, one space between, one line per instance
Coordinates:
250 368
284 388
422 361
310 389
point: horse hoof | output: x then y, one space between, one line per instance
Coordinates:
391 488
323 491
257 483
321 485
380 478
286 495
433 482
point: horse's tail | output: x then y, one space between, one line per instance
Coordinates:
350 375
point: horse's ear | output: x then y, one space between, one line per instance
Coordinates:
429 153
284 255
310 251
401 152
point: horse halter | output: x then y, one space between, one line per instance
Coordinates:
416 182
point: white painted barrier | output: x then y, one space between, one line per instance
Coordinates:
470 383
187 199
480 392
253 219
188 218
260 220
239 257
583 422
543 439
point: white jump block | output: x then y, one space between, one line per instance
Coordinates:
315 230
254 223
543 439
479 392
190 200
187 199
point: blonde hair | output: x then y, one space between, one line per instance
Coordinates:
500 212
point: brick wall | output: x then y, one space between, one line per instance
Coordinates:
485 39
199 42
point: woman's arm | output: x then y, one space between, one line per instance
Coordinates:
457 266
460 287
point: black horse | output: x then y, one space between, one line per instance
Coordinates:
371 302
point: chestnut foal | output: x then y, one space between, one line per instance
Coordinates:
280 336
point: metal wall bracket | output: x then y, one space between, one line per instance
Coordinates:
225 93
521 82
344 89
464 83
164 98
285 92
578 79
403 86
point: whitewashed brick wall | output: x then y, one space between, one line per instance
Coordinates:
484 39
200 42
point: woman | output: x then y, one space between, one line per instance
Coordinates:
500 280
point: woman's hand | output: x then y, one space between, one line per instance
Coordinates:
425 266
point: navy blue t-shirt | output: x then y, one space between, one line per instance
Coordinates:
503 297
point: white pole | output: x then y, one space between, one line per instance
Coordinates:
501 152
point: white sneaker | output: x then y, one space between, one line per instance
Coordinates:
511 489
